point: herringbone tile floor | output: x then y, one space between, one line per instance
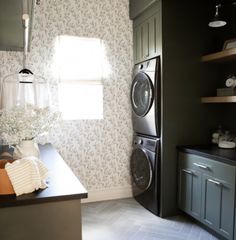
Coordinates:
125 219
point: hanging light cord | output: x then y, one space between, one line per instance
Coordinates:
217 10
25 18
25 22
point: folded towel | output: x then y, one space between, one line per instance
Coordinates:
27 175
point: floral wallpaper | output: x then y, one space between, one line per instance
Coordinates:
98 151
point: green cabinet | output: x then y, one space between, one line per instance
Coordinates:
11 26
218 204
189 191
136 7
147 36
207 192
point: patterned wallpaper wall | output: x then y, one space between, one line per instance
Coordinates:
97 150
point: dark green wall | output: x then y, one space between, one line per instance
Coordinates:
228 32
185 38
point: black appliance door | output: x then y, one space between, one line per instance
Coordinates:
141 169
141 94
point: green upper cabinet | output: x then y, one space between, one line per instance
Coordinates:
139 6
11 26
147 35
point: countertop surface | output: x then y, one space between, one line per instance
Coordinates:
62 183
227 156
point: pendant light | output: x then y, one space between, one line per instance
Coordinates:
217 21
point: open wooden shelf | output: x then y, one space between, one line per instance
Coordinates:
225 99
225 55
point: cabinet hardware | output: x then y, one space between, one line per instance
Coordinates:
187 171
201 166
215 182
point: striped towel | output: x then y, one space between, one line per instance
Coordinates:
27 175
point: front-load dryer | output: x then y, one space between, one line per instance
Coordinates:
145 97
144 166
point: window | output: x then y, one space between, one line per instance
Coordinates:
81 101
80 66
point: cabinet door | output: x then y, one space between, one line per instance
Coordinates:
218 205
190 192
147 38
141 42
154 35
137 44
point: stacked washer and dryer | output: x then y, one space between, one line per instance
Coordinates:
145 158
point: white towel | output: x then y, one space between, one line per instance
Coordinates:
27 175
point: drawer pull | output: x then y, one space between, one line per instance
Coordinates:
215 182
201 166
187 171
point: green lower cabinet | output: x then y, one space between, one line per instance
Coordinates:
207 192
218 205
190 192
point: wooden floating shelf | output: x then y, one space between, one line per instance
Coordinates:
224 99
225 55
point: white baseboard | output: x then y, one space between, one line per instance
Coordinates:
108 194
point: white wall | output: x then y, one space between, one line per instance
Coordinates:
98 151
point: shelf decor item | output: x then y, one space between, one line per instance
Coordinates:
21 125
230 81
229 91
231 43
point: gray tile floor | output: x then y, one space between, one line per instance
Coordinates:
125 219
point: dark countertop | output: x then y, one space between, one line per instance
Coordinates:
227 156
62 183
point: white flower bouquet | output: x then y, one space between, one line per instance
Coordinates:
25 123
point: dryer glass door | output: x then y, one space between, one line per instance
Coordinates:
141 94
141 169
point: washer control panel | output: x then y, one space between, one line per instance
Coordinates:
147 143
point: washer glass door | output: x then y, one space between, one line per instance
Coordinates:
141 94
141 169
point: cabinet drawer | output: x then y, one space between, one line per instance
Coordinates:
210 167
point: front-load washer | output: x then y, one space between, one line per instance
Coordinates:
144 166
145 98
